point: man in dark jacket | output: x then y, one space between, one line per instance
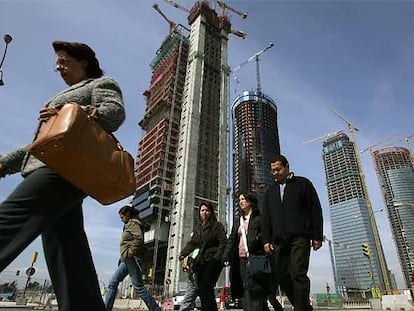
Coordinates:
292 224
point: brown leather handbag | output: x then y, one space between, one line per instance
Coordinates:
78 149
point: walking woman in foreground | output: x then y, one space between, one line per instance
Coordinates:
130 261
210 237
237 250
45 203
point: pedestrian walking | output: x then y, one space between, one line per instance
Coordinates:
210 238
292 224
130 262
44 202
246 238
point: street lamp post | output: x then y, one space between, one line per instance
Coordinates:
7 39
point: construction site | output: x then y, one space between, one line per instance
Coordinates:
182 158
158 147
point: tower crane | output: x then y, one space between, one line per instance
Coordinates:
332 258
376 144
256 58
330 242
325 136
225 6
377 241
178 6
170 22
407 140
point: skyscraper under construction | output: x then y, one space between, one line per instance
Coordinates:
395 174
255 142
158 147
201 157
351 221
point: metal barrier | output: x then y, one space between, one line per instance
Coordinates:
356 304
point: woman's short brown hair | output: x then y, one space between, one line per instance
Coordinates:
81 51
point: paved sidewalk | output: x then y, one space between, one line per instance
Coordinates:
120 304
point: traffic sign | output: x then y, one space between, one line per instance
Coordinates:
30 271
168 281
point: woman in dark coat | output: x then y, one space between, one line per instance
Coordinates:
254 295
210 237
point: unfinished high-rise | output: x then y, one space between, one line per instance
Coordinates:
351 221
255 143
158 147
201 156
395 173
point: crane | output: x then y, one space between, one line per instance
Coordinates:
238 33
332 258
326 239
325 136
377 241
256 58
377 144
178 6
170 22
407 140
225 6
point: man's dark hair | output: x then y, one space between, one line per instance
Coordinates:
129 211
81 51
280 158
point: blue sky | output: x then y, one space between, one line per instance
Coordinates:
354 56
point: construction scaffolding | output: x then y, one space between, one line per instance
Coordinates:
158 147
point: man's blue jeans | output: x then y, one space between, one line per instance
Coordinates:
131 266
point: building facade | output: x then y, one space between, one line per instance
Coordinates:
356 274
395 172
255 143
201 166
157 149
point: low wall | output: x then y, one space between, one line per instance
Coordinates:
397 303
130 304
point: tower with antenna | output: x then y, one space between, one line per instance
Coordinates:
255 137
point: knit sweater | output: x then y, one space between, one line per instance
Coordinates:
101 93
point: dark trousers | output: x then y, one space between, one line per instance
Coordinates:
44 203
251 301
206 280
291 268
